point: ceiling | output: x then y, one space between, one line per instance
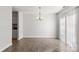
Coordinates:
34 9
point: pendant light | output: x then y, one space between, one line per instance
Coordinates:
39 13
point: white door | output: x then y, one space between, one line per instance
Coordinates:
71 30
62 29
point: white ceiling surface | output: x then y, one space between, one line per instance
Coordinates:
34 9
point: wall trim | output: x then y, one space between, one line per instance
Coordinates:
5 47
20 38
40 37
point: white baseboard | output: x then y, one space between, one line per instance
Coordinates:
39 37
20 38
5 47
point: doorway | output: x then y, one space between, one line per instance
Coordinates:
14 25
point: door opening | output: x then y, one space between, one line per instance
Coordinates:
14 25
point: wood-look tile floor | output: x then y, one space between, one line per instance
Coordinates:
38 45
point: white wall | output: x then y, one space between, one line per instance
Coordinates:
57 26
20 25
36 28
77 27
5 27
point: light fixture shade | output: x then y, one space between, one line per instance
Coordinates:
39 18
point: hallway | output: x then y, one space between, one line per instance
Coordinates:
38 45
